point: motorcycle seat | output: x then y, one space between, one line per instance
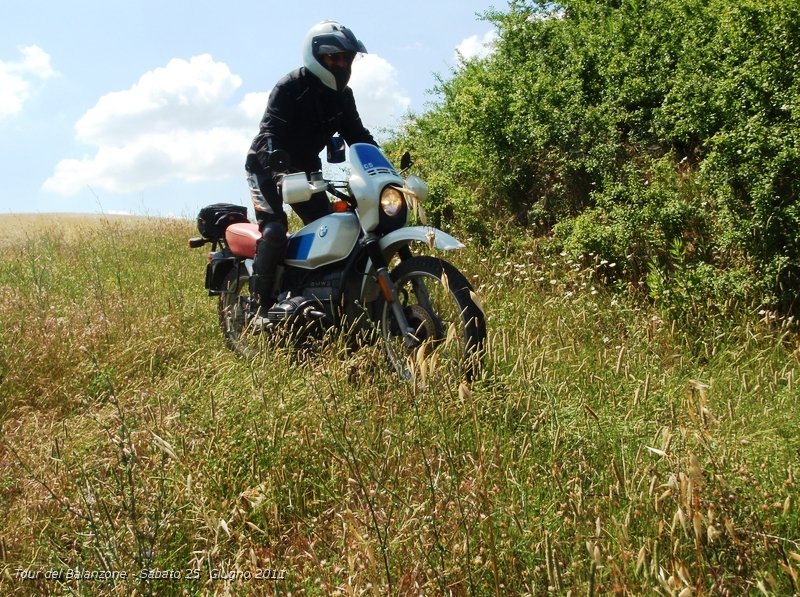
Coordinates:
242 239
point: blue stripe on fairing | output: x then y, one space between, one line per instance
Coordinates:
371 157
300 246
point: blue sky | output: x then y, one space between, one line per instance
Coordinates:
148 107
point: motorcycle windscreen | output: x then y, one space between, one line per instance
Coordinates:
371 159
326 240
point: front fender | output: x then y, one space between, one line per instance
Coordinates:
392 242
433 237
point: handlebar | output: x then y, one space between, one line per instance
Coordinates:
343 196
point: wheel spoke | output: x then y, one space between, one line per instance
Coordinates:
437 304
233 306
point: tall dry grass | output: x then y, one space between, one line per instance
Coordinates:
604 451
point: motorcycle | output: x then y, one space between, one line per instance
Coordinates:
351 270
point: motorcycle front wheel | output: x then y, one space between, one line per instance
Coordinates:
448 323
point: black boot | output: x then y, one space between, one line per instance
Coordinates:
270 253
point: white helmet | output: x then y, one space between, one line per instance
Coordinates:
329 37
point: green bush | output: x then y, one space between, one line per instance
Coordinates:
628 128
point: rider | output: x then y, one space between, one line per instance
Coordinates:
305 108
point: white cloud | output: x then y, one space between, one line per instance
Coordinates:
180 95
178 122
253 105
17 78
174 123
155 158
476 46
380 99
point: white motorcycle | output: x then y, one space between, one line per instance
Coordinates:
352 270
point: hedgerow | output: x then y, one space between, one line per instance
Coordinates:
662 136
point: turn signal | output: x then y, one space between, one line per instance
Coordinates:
339 207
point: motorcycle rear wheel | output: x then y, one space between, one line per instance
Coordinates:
234 314
440 305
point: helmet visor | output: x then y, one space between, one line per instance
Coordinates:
341 40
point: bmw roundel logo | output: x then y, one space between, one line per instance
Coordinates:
323 230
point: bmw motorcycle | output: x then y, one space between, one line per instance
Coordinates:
352 270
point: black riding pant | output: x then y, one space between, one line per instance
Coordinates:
273 224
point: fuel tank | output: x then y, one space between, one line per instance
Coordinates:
326 240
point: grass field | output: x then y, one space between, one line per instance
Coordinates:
604 451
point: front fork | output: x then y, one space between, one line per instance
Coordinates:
388 289
420 290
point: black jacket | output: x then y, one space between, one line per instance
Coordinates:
301 115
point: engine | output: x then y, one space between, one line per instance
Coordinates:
311 297
297 309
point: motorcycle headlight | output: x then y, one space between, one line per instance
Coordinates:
392 201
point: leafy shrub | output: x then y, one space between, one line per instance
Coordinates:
630 128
